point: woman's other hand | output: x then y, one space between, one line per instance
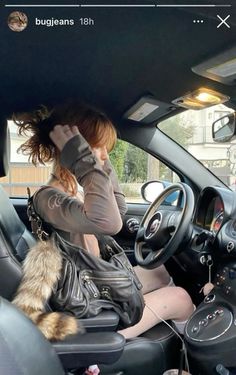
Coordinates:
61 134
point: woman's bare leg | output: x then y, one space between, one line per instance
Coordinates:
167 303
152 279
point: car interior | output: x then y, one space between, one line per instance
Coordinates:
137 61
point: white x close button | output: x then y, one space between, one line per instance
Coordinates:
223 21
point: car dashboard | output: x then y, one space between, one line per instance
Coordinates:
214 222
213 234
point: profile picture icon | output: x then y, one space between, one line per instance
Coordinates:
17 21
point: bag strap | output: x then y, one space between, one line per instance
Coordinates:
36 221
108 246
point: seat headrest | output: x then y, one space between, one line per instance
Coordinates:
4 149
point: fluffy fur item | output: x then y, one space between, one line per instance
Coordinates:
41 271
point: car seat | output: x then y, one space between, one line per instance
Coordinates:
24 350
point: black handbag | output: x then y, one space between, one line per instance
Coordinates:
90 284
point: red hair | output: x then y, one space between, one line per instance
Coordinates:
93 124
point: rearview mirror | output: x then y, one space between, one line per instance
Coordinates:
223 129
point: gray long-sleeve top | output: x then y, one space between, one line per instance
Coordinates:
103 206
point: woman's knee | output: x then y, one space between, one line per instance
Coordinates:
184 302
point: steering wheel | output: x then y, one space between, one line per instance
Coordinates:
164 230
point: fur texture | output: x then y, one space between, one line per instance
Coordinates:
41 271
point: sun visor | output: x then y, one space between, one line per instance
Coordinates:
148 110
221 68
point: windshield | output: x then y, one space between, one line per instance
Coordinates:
193 130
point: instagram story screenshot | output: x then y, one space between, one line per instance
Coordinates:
118 187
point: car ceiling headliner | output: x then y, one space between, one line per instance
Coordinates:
129 52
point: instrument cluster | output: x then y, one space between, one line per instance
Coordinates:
210 211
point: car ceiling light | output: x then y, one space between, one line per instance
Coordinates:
206 97
220 68
201 98
147 110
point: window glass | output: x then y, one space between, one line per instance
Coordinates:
193 130
22 174
134 166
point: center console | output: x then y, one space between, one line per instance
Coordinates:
210 333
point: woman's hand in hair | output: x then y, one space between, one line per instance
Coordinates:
61 134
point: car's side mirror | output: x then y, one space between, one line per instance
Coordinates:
224 128
151 189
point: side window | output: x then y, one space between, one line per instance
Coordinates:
134 166
21 172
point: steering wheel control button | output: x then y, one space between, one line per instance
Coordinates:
212 323
209 298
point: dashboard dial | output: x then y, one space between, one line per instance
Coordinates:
217 222
214 215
